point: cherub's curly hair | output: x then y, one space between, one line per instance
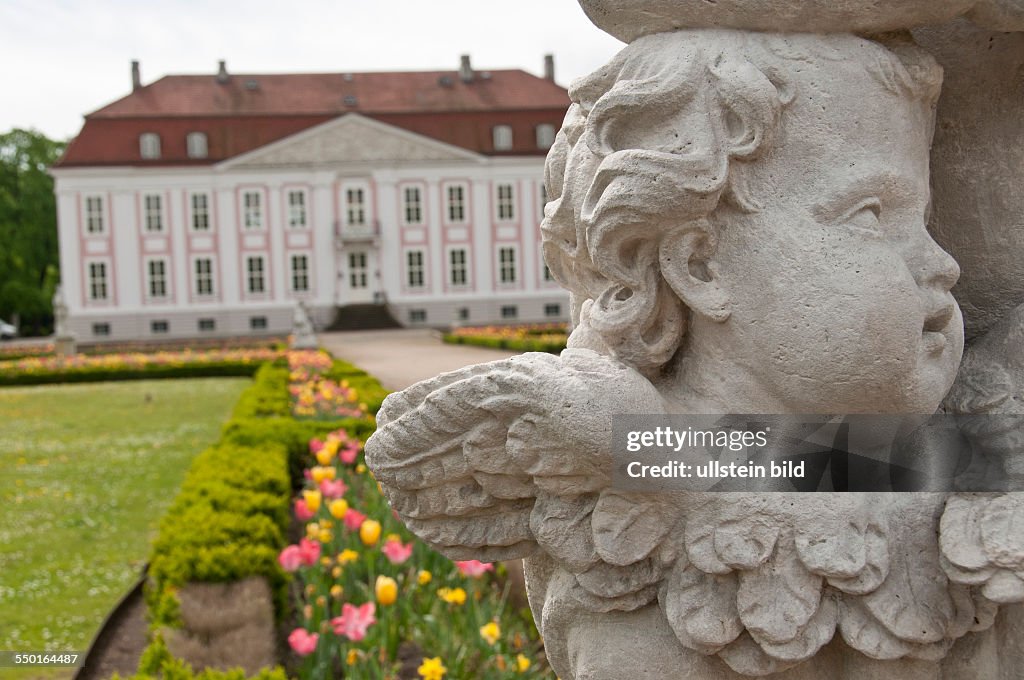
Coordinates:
602 240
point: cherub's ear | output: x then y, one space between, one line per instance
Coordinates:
684 258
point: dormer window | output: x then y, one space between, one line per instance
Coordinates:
195 143
149 145
502 137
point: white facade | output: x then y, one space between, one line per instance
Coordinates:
351 211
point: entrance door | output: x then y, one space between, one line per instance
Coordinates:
358 277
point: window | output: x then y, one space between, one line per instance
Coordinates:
507 265
257 323
413 206
543 199
545 135
463 313
101 329
457 271
506 201
297 209
200 212
252 207
502 135
357 270
94 214
553 310
300 273
149 145
97 280
417 315
355 207
159 327
456 203
154 212
256 283
157 271
204 276
414 268
548 276
195 145
509 312
207 325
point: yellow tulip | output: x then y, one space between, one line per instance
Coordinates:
337 591
386 590
325 536
352 658
490 632
424 577
338 508
360 468
321 473
324 456
336 572
522 663
452 595
369 531
346 556
312 499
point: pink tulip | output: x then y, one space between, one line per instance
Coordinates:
315 445
396 552
349 453
302 642
290 558
354 519
302 511
474 568
333 488
309 552
354 621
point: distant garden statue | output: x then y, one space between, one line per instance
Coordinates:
303 335
740 219
64 339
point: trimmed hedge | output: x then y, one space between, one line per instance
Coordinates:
230 519
515 344
10 378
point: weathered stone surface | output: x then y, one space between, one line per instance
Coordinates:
978 166
303 335
740 218
628 20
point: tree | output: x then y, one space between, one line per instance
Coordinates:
28 229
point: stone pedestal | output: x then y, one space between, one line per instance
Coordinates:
65 346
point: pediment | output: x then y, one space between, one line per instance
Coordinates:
352 138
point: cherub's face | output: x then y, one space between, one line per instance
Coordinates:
839 297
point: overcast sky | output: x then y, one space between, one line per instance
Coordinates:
60 59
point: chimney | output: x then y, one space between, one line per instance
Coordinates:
465 70
549 67
136 75
222 72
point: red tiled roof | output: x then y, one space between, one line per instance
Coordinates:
249 111
326 93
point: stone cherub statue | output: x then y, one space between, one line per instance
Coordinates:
739 235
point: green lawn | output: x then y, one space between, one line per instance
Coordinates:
86 471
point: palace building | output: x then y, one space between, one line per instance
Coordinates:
211 205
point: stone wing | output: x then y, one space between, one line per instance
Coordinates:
473 461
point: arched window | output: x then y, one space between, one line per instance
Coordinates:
502 137
149 145
545 135
195 143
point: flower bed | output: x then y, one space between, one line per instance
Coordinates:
365 596
549 337
369 595
134 366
